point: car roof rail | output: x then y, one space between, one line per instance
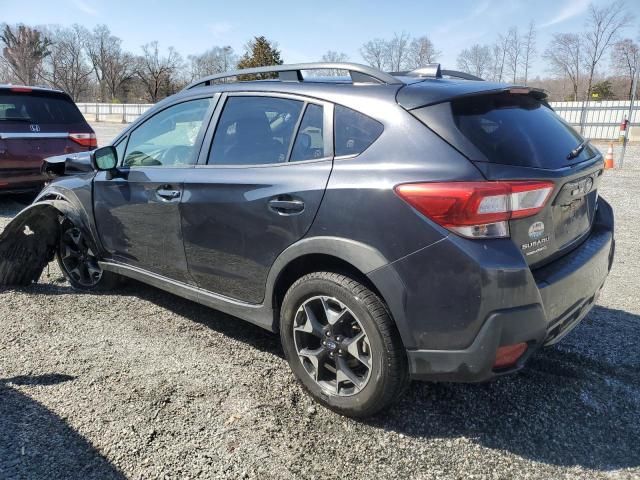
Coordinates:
293 73
433 70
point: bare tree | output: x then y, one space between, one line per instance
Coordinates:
515 48
398 51
111 65
421 52
603 27
157 73
374 52
117 72
625 59
24 50
564 58
529 50
502 46
66 67
215 60
334 57
475 60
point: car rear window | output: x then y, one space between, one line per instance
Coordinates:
38 108
354 131
517 130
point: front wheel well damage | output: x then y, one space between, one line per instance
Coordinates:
28 244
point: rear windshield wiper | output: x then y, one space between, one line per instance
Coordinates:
17 119
578 150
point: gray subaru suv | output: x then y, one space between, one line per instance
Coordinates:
418 225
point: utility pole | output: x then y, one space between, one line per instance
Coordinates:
634 86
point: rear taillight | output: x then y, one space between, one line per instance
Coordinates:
84 139
20 89
476 209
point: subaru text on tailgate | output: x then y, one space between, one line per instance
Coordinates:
418 225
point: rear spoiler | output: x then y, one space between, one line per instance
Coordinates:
433 91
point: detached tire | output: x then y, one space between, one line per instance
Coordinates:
79 263
342 344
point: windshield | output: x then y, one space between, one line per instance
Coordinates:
518 130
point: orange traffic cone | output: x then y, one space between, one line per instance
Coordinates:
608 159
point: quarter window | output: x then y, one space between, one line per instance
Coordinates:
309 142
168 138
354 131
255 131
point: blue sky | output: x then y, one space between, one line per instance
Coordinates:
305 30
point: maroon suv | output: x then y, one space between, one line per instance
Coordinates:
36 123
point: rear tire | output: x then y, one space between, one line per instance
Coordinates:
342 344
79 263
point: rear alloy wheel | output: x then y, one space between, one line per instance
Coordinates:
342 345
332 346
79 263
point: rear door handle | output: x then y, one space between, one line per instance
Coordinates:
167 193
286 206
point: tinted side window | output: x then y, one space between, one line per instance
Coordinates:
354 131
309 142
254 131
168 138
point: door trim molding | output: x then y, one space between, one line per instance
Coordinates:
257 314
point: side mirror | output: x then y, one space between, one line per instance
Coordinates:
104 158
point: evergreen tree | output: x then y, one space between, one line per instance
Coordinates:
260 52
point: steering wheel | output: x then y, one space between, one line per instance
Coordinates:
177 155
140 159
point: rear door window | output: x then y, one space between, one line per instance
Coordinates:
517 130
309 142
354 131
255 131
38 108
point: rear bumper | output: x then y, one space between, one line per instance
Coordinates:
538 308
22 180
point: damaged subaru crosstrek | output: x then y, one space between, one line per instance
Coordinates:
417 225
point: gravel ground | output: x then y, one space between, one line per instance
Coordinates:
142 384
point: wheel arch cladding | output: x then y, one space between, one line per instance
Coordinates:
321 254
29 241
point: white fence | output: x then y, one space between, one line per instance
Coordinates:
601 119
113 112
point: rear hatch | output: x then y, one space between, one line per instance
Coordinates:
35 124
513 134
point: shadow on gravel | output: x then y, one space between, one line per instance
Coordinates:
575 404
36 443
220 322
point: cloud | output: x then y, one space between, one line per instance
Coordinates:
85 7
570 10
219 29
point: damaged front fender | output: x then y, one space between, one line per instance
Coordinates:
29 243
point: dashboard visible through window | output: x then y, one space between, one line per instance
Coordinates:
168 138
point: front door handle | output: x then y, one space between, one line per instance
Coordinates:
286 206
167 193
